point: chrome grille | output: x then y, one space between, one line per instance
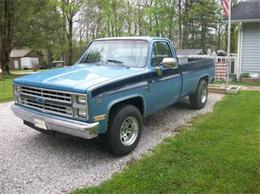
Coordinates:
49 101
47 106
46 94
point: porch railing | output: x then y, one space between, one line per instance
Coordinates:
221 64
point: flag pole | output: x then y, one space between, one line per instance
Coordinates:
228 50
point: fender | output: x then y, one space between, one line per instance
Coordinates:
202 76
118 100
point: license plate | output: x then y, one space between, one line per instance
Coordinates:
39 123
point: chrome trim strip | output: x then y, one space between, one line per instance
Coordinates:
45 111
44 93
70 93
48 106
50 99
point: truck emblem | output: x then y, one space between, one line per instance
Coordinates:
40 100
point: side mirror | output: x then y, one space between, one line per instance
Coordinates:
169 62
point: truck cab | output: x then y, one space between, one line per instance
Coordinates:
110 89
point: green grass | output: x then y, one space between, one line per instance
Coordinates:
23 72
6 90
239 83
219 153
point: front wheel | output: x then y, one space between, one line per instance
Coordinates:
124 129
199 99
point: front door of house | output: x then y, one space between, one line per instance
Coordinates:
16 64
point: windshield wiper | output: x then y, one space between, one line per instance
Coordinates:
118 62
115 61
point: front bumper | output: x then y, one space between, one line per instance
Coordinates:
56 123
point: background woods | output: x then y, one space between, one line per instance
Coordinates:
65 27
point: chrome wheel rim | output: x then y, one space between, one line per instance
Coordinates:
204 94
129 131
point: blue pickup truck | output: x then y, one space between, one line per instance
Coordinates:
113 86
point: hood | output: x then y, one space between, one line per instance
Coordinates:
77 78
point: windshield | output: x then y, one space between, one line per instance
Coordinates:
129 53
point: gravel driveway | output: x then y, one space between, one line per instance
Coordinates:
31 162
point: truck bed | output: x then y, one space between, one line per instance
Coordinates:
192 70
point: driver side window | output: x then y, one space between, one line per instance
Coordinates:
160 50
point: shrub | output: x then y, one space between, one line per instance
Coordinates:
245 75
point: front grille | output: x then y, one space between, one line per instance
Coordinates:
50 101
48 106
46 94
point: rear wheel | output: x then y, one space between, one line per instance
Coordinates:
199 99
124 129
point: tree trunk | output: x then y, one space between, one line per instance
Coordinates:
219 37
193 34
6 32
233 45
203 37
185 27
50 59
70 23
226 37
180 25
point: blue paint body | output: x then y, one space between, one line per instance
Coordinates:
106 86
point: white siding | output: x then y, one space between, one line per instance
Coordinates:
28 62
251 47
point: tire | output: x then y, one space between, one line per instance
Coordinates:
199 99
116 138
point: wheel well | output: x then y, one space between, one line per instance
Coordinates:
206 78
136 101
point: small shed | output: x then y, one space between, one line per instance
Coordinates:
25 59
247 15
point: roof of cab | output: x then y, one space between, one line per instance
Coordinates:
145 38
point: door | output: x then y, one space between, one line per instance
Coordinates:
167 87
16 64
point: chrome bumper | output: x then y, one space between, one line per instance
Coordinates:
60 124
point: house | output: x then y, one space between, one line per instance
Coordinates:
25 59
247 15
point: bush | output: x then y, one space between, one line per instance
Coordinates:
245 75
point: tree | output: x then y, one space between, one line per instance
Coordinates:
65 27
69 10
39 18
44 23
203 14
7 22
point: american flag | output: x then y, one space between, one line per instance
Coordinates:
225 4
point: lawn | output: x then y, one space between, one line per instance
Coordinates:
218 153
28 71
239 83
6 91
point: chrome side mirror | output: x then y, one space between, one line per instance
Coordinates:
169 62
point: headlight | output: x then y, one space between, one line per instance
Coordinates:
82 99
79 105
82 112
17 88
